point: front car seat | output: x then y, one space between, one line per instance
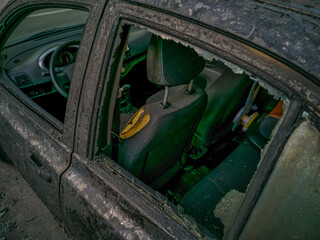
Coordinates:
155 141
226 92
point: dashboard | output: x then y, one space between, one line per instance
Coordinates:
27 63
65 58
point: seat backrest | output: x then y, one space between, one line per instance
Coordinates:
226 92
154 154
155 140
226 95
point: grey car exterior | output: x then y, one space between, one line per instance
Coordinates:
102 201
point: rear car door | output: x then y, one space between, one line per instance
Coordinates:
36 126
288 206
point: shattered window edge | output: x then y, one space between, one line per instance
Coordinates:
208 56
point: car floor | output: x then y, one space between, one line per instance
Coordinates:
22 214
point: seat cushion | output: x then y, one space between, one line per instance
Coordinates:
235 172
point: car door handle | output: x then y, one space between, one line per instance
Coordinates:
39 169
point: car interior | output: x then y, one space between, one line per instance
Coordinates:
190 128
28 50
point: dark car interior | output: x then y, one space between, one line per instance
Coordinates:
183 140
28 63
183 130
191 129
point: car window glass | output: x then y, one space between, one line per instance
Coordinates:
46 20
190 128
288 206
41 54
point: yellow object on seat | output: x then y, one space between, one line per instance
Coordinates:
139 120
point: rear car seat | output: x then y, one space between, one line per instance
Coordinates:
235 172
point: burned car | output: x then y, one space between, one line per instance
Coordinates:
173 119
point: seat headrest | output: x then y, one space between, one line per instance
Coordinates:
170 63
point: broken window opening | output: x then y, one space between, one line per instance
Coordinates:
190 127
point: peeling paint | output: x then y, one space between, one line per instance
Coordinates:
291 195
228 16
268 25
200 5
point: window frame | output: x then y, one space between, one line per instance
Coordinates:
293 109
39 145
162 26
14 15
288 189
267 162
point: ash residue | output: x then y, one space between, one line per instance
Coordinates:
228 207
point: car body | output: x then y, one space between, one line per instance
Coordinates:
63 154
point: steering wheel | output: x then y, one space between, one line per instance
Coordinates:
61 76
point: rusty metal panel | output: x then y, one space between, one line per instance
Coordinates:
289 206
275 26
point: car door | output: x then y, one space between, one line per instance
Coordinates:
99 198
33 135
287 207
94 199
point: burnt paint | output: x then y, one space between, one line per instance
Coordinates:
257 63
36 143
24 137
272 71
99 206
105 205
88 189
291 32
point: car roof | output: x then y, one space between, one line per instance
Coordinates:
3 3
287 30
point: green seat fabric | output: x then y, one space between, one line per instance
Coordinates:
267 126
260 134
226 96
255 138
226 92
235 172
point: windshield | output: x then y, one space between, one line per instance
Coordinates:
45 20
